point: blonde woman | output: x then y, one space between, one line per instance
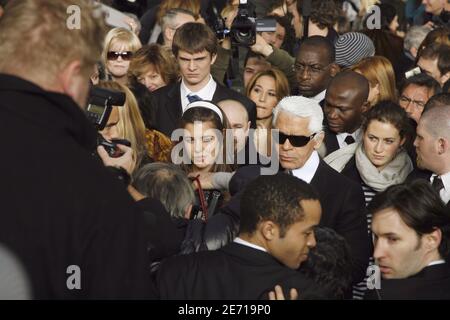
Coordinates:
379 72
120 45
125 122
266 89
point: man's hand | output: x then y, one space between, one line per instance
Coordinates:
126 161
278 294
261 46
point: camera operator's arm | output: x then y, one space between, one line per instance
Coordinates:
220 67
277 58
125 162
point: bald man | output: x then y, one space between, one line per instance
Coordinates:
345 103
433 146
238 120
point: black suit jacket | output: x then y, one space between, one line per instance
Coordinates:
233 272
424 175
167 110
431 283
343 209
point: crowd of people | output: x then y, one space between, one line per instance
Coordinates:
309 162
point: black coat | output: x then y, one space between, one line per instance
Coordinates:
423 175
167 110
432 282
343 209
330 141
233 272
60 206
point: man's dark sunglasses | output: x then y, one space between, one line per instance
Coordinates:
295 141
114 55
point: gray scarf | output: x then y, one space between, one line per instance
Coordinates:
394 173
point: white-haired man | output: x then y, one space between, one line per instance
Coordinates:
299 121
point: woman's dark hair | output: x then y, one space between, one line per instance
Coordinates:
389 112
330 262
420 208
324 13
388 13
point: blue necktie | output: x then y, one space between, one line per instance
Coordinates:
193 98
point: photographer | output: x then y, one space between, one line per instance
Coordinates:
64 215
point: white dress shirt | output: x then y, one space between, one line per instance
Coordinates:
445 192
307 172
320 96
433 263
249 244
341 137
205 93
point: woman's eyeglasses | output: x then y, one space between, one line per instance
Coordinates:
114 55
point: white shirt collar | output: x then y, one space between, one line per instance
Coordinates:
249 244
206 93
432 263
341 137
320 96
445 192
307 172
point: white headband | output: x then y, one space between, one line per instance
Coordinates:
207 105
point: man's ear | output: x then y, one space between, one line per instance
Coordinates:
168 34
269 230
73 82
433 239
443 145
249 124
365 107
318 140
334 69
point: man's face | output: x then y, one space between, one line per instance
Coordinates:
426 148
195 68
238 119
343 109
398 250
180 19
413 100
293 248
313 71
430 67
434 6
295 157
253 66
275 38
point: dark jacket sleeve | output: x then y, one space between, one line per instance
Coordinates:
285 62
220 66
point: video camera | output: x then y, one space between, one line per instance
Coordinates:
101 102
244 27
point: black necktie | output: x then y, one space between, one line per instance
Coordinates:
193 98
349 140
437 184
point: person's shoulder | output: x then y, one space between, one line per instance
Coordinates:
337 180
163 92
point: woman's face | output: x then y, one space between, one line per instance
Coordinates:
111 130
118 67
201 141
152 79
264 95
382 142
